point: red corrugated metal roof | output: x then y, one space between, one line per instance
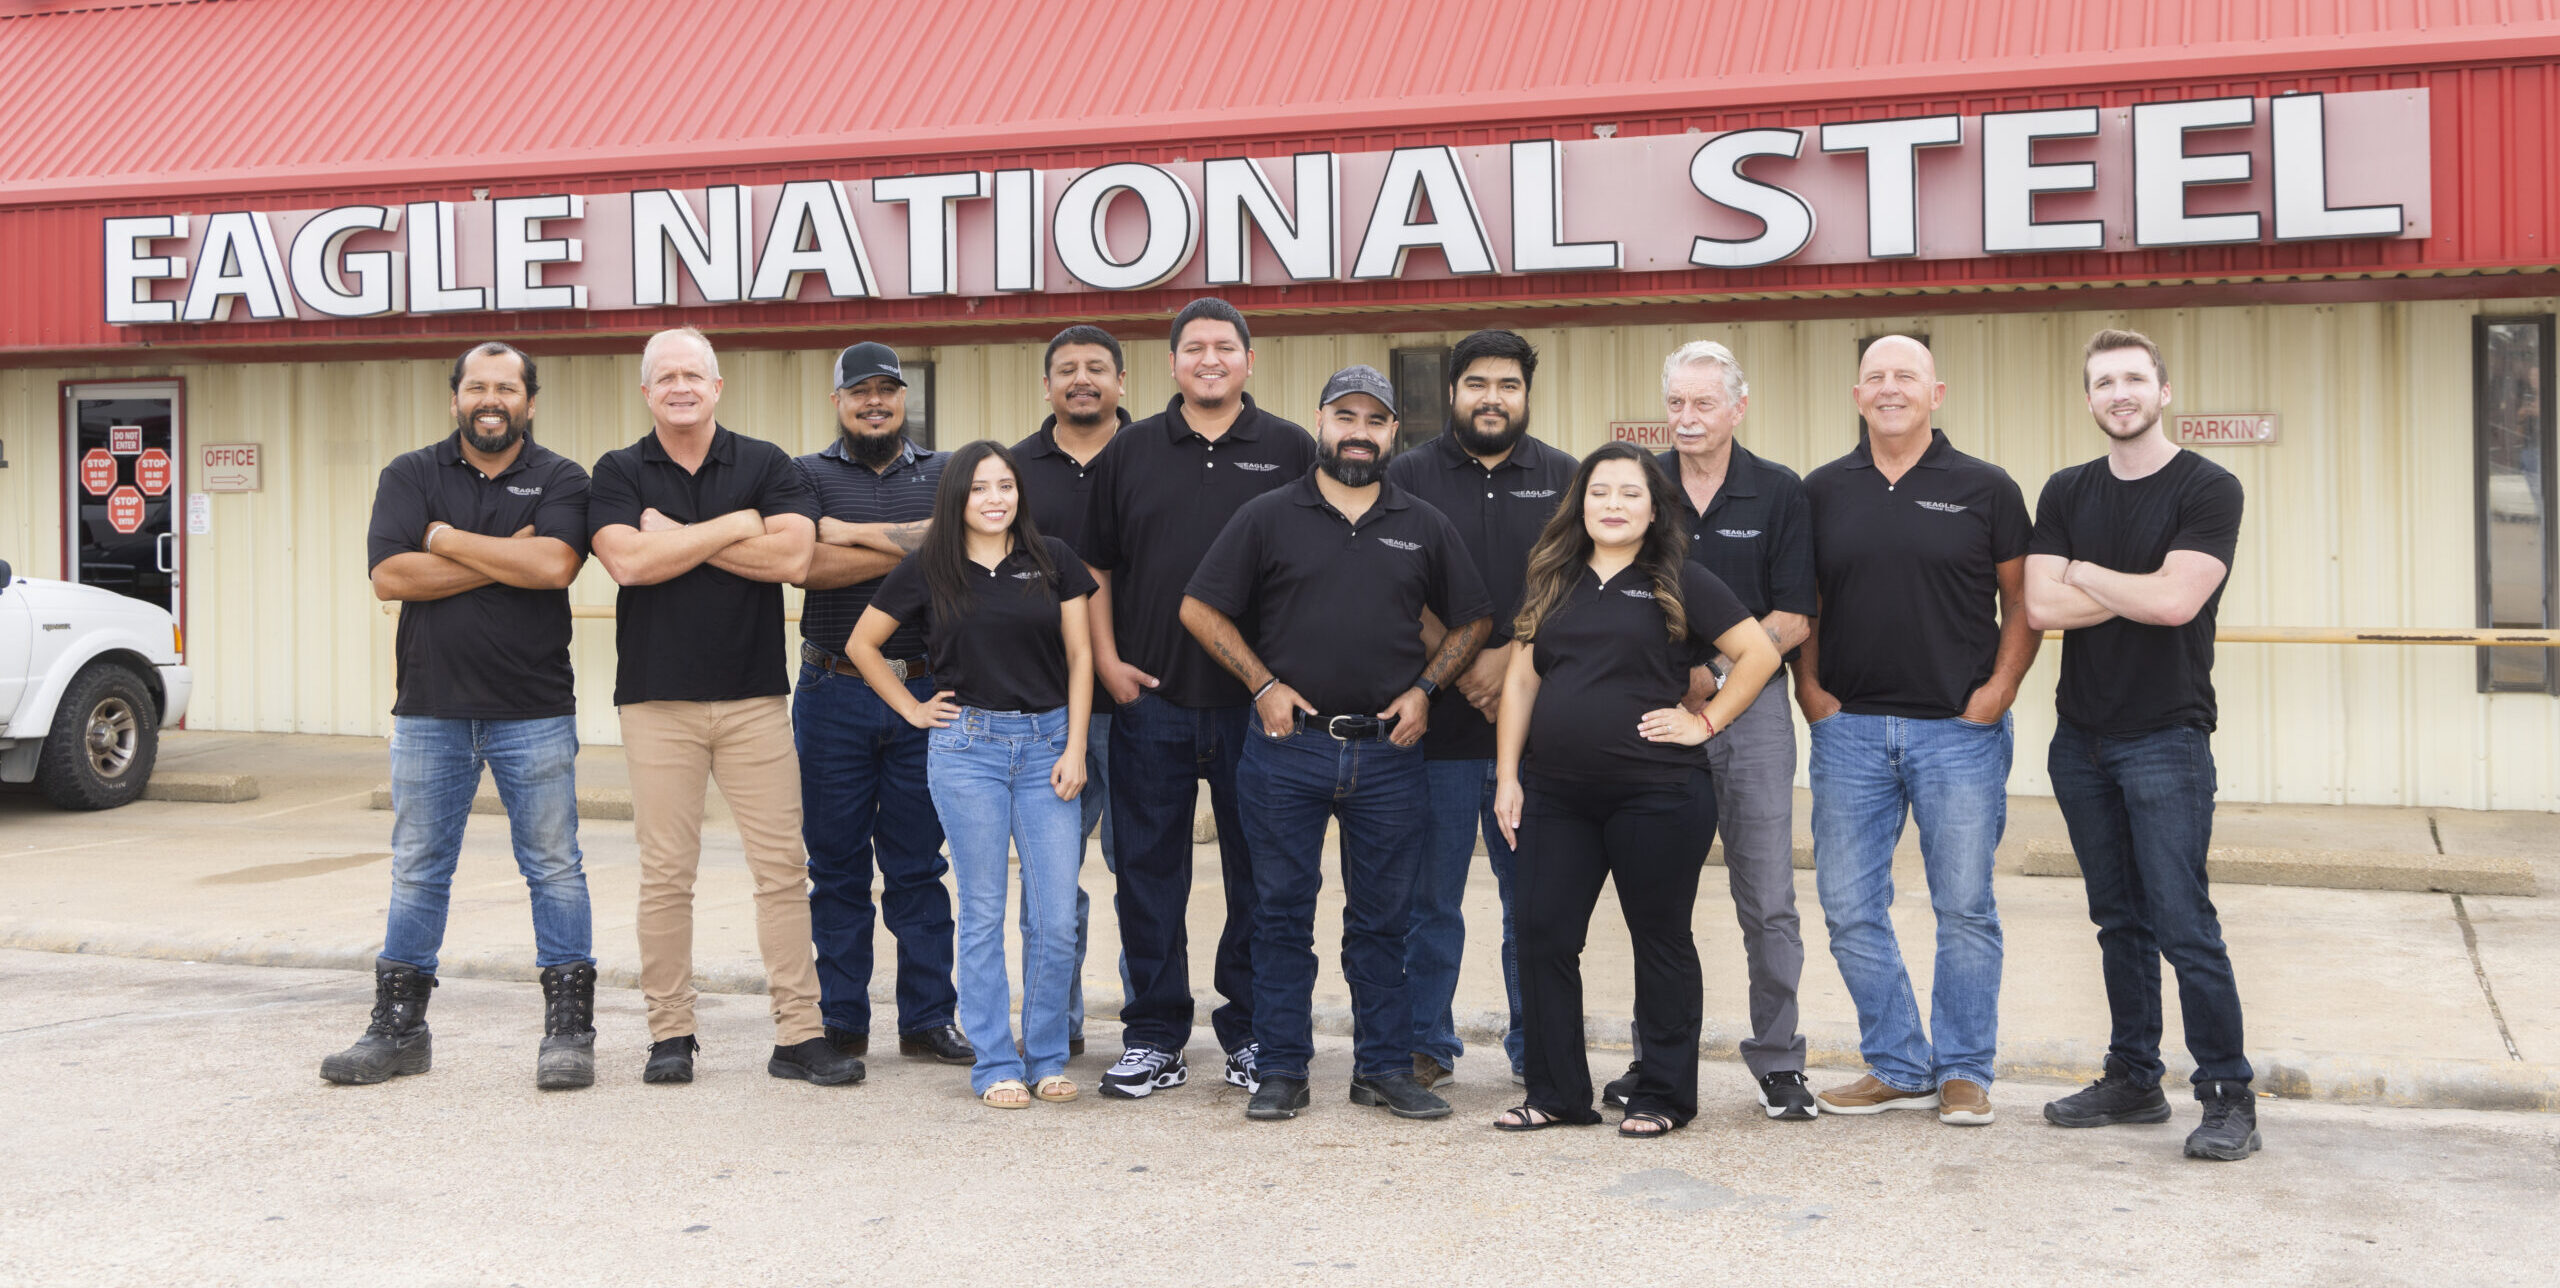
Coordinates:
111 102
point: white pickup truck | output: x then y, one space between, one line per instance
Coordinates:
88 679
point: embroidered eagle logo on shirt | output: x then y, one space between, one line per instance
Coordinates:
1535 493
1738 534
1400 545
1256 466
1942 507
524 491
1637 594
1027 574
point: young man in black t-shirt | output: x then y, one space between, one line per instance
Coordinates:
2129 556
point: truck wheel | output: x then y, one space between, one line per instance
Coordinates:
105 736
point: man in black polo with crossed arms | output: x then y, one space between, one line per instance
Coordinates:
1336 571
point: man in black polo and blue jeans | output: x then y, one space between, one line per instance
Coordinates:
1334 573
2128 559
862 775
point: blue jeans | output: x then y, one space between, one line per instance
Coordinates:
1093 809
990 774
1952 778
1291 787
1461 809
863 791
1159 754
2140 810
435 771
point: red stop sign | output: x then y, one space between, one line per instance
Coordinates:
151 472
97 471
124 509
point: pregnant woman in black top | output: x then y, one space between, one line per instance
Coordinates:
1599 774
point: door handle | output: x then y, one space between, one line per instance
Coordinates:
165 548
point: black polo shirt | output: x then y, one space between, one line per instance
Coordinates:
1909 574
708 635
1498 514
1161 495
1338 604
1605 658
2123 676
1057 487
496 652
1757 533
852 492
1007 653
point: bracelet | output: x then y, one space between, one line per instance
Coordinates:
431 536
1709 721
1266 688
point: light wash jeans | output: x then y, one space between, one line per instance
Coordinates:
989 772
435 771
1951 777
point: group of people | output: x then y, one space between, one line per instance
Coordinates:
1006 650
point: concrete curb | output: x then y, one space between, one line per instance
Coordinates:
2330 869
2291 1075
204 789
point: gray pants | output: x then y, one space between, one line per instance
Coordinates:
1755 768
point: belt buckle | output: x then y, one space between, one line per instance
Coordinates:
897 666
1329 730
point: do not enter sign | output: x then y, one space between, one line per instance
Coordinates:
97 471
124 510
151 472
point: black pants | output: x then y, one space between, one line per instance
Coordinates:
1651 838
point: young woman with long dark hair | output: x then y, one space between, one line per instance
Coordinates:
1599 774
1004 615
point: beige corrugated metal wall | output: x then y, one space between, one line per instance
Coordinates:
2362 516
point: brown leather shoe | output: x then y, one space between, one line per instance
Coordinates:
1873 1095
1964 1103
1431 1073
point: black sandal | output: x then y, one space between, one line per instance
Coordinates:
1663 1126
1517 1118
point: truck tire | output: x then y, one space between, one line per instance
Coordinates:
106 734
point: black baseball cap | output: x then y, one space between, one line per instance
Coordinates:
1360 380
862 361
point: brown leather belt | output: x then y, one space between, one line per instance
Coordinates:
903 667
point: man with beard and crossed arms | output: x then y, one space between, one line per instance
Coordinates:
1498 487
1162 491
477 537
1336 572
1082 377
862 766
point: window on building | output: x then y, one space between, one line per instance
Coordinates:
920 427
1421 378
2511 366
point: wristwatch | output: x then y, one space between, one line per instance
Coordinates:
1429 690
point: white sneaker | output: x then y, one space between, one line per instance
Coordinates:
1143 1071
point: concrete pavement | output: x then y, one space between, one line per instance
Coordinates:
2385 997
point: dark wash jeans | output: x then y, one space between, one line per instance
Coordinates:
2140 810
863 796
1159 754
1292 787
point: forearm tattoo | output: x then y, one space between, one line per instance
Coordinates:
907 536
1454 650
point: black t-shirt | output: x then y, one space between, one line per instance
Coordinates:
708 635
1604 659
1007 654
2122 676
1337 604
849 491
1910 579
497 652
1498 514
1057 488
1161 495
1757 533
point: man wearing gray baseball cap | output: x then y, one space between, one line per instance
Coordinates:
1333 573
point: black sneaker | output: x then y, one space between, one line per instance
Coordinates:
1787 1099
1401 1095
848 1041
2112 1099
2230 1129
1275 1099
1143 1071
1615 1094
671 1060
816 1060
1243 1065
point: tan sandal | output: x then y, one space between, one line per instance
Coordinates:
1056 1089
989 1096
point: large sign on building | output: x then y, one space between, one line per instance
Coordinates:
2199 172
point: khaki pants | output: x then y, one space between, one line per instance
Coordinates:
672 748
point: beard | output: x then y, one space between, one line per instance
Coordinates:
1099 415
1352 472
874 450
518 429
2146 426
1478 443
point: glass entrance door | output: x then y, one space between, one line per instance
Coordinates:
123 489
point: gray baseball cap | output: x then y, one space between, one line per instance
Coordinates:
1361 379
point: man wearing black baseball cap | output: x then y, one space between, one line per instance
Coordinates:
862 766
1332 574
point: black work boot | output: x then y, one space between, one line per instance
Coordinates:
2113 1098
670 1060
396 1042
2230 1129
568 1056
